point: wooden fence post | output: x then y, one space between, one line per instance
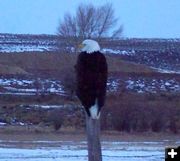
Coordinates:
93 137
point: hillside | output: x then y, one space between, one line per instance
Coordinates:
163 54
25 73
55 63
140 65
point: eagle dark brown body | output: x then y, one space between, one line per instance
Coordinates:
91 70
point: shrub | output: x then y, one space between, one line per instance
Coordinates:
56 117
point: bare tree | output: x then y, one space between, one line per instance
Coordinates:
89 22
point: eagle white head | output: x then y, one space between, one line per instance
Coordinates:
90 46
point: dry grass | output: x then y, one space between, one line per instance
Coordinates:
117 65
5 69
55 63
21 133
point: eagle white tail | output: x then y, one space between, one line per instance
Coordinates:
94 111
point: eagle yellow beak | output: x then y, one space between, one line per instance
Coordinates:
80 46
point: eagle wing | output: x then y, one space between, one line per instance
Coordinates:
91 71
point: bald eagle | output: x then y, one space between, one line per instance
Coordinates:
91 74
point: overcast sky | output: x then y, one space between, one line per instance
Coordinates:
141 18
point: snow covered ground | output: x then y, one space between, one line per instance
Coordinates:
144 85
116 51
19 86
77 151
22 48
153 85
10 43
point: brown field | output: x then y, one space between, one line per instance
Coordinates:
56 63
